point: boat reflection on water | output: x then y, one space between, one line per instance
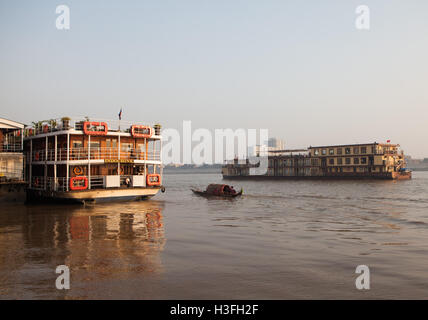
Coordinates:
100 242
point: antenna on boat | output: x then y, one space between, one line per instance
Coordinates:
118 145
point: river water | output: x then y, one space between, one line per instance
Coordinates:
280 240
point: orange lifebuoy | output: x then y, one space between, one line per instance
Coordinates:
37 156
45 128
74 187
78 171
141 131
153 180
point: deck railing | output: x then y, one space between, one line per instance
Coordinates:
54 125
94 154
11 147
61 183
11 175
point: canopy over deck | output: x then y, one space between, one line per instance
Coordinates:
9 124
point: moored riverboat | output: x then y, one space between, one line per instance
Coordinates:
87 161
384 161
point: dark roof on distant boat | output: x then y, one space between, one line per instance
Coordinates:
352 145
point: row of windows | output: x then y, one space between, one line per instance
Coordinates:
339 151
315 162
340 161
291 162
292 172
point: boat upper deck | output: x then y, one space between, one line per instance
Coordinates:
97 127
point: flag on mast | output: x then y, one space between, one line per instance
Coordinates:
120 114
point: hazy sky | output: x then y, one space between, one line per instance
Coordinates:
299 68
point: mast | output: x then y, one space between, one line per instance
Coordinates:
118 149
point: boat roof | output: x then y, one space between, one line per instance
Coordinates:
10 124
355 145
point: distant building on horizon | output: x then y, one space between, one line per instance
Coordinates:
271 145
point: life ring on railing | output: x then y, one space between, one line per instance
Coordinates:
153 180
37 156
141 131
36 182
78 170
45 128
87 128
81 187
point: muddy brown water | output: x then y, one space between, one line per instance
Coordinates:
280 240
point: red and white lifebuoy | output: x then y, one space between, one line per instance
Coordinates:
154 180
79 187
87 125
141 131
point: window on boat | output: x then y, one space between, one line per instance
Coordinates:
111 143
126 147
95 145
77 144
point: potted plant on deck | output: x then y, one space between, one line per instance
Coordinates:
157 128
66 122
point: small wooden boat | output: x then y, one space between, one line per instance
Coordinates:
218 190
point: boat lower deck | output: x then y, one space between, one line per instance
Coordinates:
96 195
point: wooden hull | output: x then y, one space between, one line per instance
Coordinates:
95 195
205 194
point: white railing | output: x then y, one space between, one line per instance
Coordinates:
54 125
11 147
61 183
94 154
11 175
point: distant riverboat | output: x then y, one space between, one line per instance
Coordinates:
355 161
